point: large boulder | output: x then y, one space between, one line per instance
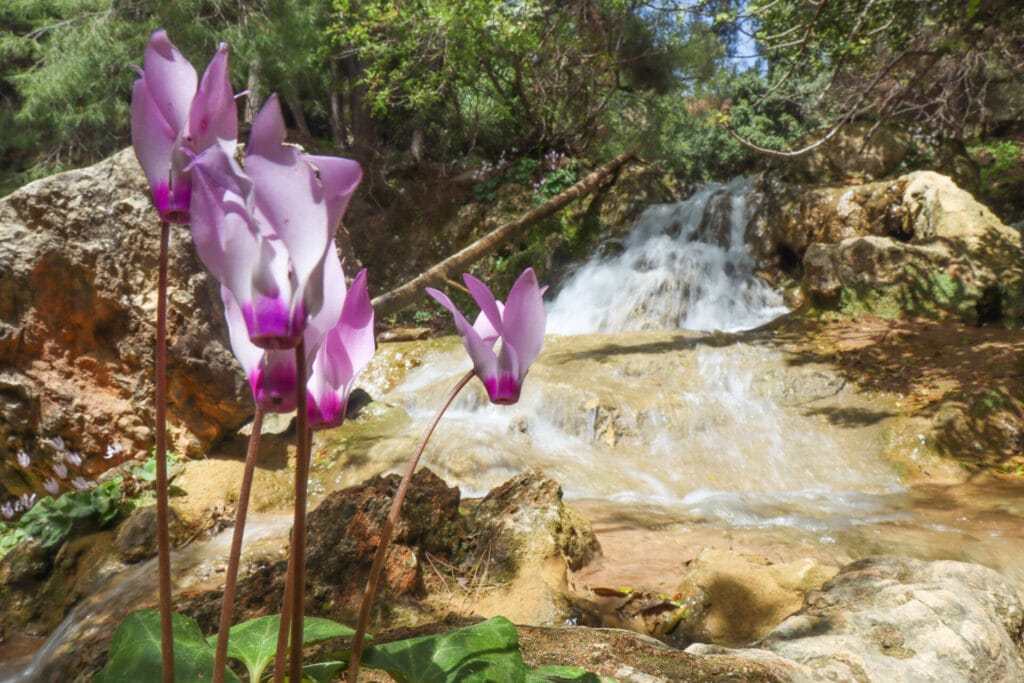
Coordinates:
859 149
898 619
915 245
78 277
527 540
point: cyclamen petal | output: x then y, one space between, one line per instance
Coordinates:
485 329
213 116
485 361
266 231
519 323
289 198
524 319
173 121
345 351
221 215
483 297
272 375
339 177
334 289
170 78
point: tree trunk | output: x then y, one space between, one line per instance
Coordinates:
295 106
254 100
337 127
399 298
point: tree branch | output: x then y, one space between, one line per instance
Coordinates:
399 298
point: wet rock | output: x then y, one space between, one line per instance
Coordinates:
899 619
78 271
39 585
26 564
888 278
135 538
528 541
796 217
736 599
916 245
343 533
725 598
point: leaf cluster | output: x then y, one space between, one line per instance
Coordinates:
481 653
53 519
952 66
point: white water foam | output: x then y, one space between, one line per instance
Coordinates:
684 266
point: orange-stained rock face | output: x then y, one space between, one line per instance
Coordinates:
78 271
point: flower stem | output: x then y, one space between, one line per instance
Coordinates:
298 547
284 625
163 534
389 529
231 579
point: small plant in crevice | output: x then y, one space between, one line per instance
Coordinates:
547 177
70 501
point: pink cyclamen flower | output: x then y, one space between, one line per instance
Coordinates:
338 343
51 486
345 350
264 232
519 323
175 117
272 373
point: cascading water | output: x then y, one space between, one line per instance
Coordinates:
684 266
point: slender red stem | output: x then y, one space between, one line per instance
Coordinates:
163 534
284 625
298 548
389 529
231 579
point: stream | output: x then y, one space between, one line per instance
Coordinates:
675 421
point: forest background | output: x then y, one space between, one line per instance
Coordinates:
540 89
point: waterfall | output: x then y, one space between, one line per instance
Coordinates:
684 266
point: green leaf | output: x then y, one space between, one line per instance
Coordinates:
566 674
254 642
482 653
135 651
322 672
